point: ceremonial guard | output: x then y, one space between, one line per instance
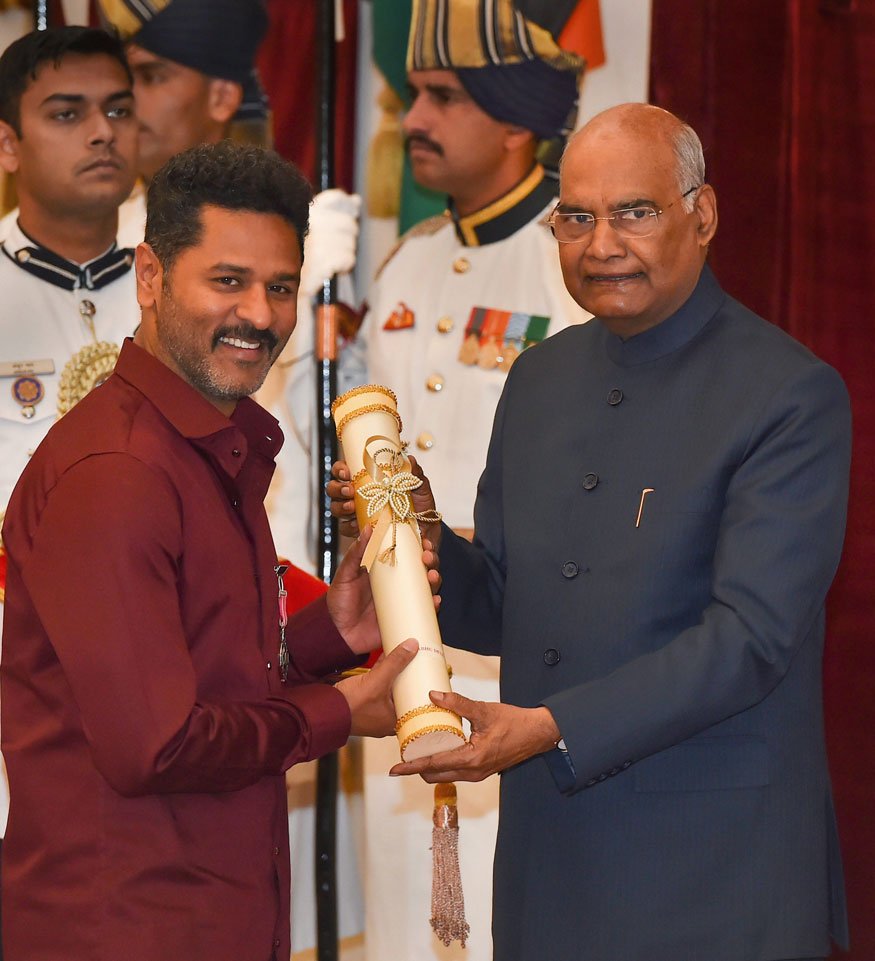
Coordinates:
465 292
458 300
68 136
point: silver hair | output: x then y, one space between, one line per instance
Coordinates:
690 162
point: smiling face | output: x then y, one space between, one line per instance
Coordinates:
76 154
223 312
632 284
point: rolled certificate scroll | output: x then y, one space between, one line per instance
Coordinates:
368 429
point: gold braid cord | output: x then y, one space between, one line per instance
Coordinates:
367 409
84 371
420 711
392 489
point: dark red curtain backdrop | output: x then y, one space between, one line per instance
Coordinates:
288 62
782 93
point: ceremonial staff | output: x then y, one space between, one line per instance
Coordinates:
326 387
41 14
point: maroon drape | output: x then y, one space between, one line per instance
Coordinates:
782 93
288 64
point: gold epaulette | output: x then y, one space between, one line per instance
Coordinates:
425 228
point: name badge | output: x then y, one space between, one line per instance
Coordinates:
24 368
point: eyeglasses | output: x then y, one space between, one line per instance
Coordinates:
633 222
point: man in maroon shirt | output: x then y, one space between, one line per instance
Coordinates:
151 700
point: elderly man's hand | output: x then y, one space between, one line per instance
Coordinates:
501 735
342 495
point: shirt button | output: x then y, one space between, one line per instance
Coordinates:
435 383
235 452
276 851
276 942
425 441
461 265
235 503
268 665
445 325
590 481
615 397
551 657
570 569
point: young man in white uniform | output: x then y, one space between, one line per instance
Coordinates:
69 138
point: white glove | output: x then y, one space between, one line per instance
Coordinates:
329 247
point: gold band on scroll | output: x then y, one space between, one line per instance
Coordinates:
425 709
367 409
431 729
364 389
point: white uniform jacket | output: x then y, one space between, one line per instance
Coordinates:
47 313
502 259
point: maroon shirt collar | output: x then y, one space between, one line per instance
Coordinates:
250 427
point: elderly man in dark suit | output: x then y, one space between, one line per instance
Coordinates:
658 523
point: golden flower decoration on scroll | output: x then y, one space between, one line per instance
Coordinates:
392 489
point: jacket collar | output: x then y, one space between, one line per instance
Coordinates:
57 270
505 216
675 331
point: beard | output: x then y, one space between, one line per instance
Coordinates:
182 336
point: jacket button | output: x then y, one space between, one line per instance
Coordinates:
615 397
445 325
590 481
425 441
570 569
435 383
551 657
235 452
